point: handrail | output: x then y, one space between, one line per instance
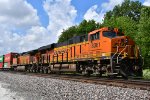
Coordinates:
121 52
111 62
116 52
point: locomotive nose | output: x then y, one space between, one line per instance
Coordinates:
120 41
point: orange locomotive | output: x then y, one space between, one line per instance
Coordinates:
103 51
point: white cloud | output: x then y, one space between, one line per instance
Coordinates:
20 14
17 14
61 15
95 13
146 3
34 38
14 16
111 4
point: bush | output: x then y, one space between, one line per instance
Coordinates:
146 73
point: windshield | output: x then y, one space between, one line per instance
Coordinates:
111 34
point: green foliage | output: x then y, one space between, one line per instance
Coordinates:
83 28
87 26
128 26
125 16
143 39
146 73
68 33
128 8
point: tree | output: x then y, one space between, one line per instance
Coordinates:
128 8
68 33
128 26
83 28
87 26
143 39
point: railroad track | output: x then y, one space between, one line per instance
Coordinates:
130 83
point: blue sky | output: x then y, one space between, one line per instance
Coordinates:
38 4
29 24
83 6
80 5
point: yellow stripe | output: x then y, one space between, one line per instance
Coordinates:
68 46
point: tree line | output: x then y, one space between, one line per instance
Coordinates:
131 16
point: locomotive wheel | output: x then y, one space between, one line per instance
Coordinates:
140 72
49 70
34 69
38 70
124 69
100 73
82 70
29 69
88 73
46 70
42 70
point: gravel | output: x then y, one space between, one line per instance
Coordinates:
38 88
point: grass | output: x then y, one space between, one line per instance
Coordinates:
146 73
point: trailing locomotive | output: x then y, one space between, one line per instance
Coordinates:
104 51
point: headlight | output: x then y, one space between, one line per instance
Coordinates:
103 54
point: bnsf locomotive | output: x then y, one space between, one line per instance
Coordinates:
106 51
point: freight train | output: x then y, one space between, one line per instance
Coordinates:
105 51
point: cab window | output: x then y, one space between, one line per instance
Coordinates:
109 34
95 36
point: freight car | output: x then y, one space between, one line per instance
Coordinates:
1 62
6 61
104 51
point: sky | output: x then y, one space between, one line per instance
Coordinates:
29 24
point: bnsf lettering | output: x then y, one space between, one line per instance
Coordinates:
60 52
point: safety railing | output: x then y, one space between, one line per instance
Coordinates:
118 54
121 52
111 60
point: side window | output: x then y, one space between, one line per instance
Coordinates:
71 41
83 38
95 36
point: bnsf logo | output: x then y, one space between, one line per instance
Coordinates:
95 45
